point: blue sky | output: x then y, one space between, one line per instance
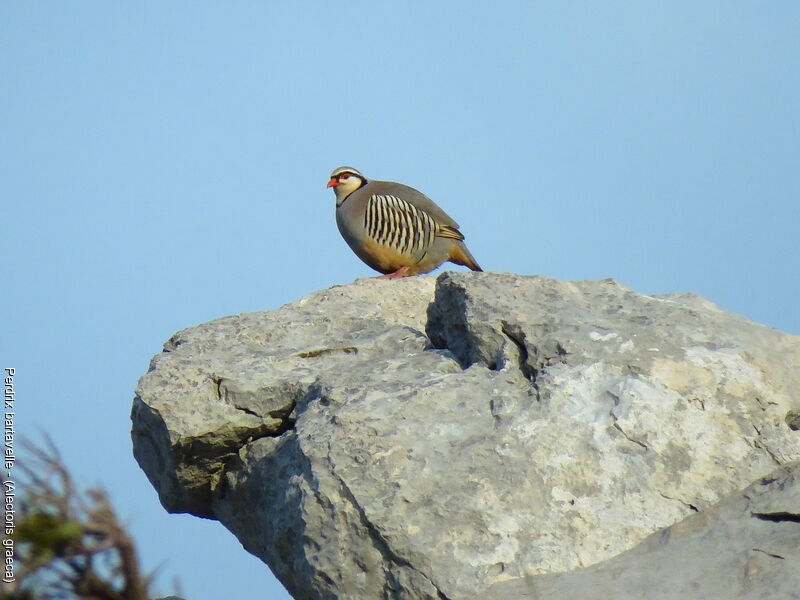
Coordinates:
164 164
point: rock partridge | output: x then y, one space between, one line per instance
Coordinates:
394 228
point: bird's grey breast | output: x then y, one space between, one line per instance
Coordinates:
350 217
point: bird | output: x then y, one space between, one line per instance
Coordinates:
395 229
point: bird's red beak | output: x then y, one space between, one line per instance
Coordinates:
333 182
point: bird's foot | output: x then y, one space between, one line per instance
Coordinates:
401 272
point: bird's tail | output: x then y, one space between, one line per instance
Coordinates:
461 256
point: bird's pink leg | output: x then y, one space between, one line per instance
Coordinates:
401 272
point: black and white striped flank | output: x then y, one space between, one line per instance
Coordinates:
395 223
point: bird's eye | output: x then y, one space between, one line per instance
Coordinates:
344 176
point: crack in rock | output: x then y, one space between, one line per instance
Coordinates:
625 435
678 500
792 419
778 517
618 427
517 337
378 540
762 446
321 351
770 554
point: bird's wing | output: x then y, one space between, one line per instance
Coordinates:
393 222
414 197
446 231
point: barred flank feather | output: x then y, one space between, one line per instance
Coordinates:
395 223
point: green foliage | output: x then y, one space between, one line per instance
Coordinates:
47 536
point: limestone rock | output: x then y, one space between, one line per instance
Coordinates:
745 548
426 438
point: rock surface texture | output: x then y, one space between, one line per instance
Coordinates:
478 435
748 546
